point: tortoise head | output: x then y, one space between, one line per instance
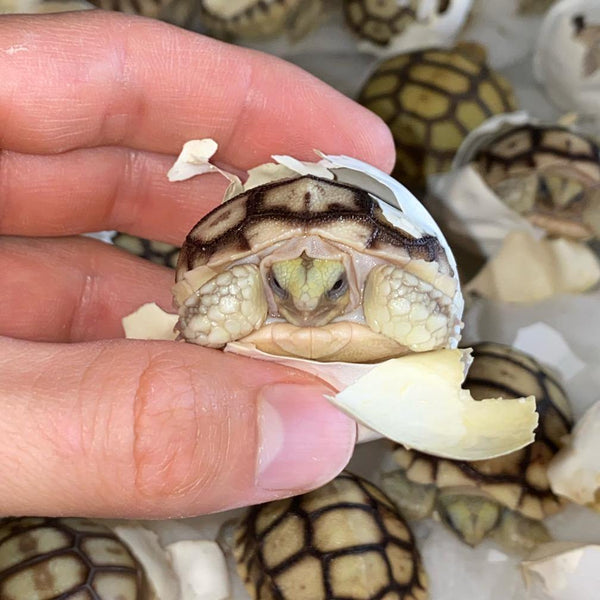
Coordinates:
310 292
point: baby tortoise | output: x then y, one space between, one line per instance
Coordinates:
547 173
345 540
227 19
506 497
314 268
431 99
67 559
379 21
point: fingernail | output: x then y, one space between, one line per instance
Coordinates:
304 441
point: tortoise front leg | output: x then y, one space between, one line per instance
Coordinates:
407 309
226 308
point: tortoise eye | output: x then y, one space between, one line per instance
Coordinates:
338 289
278 290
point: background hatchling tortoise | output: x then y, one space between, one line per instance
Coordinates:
547 173
160 253
506 496
431 99
45 559
227 19
527 7
345 540
314 268
379 21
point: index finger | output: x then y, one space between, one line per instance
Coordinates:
94 78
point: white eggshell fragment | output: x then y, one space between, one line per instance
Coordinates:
575 470
416 400
546 267
563 571
149 322
145 546
201 568
567 57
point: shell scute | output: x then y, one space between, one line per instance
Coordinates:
46 558
261 217
353 547
438 96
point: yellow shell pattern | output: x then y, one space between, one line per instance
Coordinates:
344 540
431 99
44 559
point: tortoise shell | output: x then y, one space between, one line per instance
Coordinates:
44 558
344 540
255 19
527 7
159 253
518 480
262 217
549 174
431 99
379 21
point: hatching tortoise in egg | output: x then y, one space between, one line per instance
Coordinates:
379 21
319 269
228 19
256 19
547 173
159 253
527 7
67 559
431 99
343 540
504 497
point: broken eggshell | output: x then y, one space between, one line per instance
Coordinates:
562 571
419 401
432 23
476 216
575 470
567 57
183 570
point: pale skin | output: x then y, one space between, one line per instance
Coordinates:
94 107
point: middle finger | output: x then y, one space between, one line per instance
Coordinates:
73 289
101 188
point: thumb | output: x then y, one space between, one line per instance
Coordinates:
156 429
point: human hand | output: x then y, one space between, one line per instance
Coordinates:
93 109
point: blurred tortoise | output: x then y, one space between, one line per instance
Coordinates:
547 173
527 7
159 253
505 497
227 19
259 19
379 21
44 558
431 99
344 540
315 268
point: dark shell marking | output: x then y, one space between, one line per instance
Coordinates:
159 253
502 371
297 207
309 535
377 21
44 558
431 99
532 146
530 150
